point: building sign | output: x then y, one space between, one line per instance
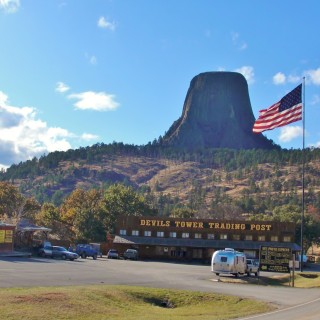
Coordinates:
275 259
2 236
8 237
159 223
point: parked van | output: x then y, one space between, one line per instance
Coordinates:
229 261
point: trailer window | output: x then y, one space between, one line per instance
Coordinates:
223 259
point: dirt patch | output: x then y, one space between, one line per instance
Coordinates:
46 297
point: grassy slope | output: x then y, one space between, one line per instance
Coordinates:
117 302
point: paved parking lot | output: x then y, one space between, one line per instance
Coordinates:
25 272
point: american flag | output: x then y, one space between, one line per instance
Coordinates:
285 111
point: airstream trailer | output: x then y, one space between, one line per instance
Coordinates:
228 261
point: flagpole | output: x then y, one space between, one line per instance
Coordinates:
303 166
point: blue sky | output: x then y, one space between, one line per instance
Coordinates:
78 72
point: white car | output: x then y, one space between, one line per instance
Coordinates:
252 267
113 254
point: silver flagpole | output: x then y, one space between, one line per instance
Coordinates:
303 165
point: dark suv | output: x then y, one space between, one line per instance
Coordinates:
130 254
86 250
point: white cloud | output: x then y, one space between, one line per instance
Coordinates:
247 72
10 6
279 78
290 132
99 101
313 76
24 136
89 136
104 24
62 87
3 98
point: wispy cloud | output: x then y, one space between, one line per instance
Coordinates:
62 87
237 42
89 136
105 24
98 101
313 76
10 6
289 133
91 58
247 72
315 99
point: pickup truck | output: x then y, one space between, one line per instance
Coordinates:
86 250
252 267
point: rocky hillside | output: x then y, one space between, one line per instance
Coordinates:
198 183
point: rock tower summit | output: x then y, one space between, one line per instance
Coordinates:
216 113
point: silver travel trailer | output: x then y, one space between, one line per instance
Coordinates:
228 261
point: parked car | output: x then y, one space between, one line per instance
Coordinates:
45 252
86 250
252 267
113 254
130 254
63 253
97 247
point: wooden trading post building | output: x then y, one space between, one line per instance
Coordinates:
197 239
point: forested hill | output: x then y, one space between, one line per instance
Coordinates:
210 181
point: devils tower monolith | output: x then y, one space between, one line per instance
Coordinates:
216 113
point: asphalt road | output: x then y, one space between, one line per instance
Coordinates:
293 303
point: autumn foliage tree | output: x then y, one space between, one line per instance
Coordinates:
120 200
84 215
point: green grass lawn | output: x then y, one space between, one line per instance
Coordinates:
301 280
121 302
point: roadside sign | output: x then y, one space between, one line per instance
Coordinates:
275 259
296 264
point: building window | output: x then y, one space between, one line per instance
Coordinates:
236 237
223 236
147 233
197 235
123 232
160 234
286 239
248 237
261 238
173 235
185 234
274 238
210 236
135 232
